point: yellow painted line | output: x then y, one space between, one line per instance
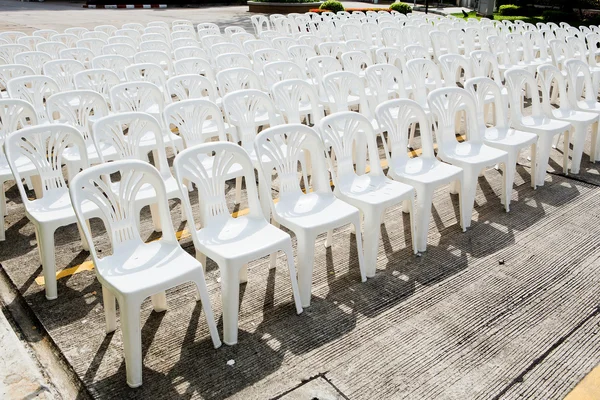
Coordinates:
89 265
588 388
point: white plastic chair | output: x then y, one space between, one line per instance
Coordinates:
278 71
306 214
296 98
77 31
80 54
35 89
578 71
472 155
31 41
133 135
230 242
351 138
425 173
113 62
98 80
12 36
43 146
194 66
14 114
192 86
45 33
52 48
549 76
10 71
34 59
500 135
148 72
8 51
189 52
247 110
135 270
79 108
159 58
234 79
143 97
63 72
232 60
92 44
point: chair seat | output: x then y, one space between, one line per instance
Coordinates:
467 153
508 137
312 210
372 190
543 125
56 207
420 170
146 267
574 117
242 238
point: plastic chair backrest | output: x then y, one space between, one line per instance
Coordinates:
159 58
34 89
98 80
290 93
445 103
190 117
340 87
454 67
189 52
43 145
381 78
550 78
396 117
420 71
114 62
80 54
63 72
579 77
125 132
146 72
234 79
348 134
136 96
77 108
278 71
242 108
8 51
10 71
482 89
191 86
35 59
232 60
14 115
194 66
117 206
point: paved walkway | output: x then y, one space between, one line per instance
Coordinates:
20 374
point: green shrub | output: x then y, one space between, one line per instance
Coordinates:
509 10
332 5
402 8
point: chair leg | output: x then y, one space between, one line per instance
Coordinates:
566 142
411 138
467 196
46 246
202 258
159 302
202 295
372 224
595 148
243 275
110 310
230 297
360 250
329 238
238 190
534 166
289 254
413 228
155 217
306 257
132 340
509 171
422 216
544 146
578 145
84 243
2 211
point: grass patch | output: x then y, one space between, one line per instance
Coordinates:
499 17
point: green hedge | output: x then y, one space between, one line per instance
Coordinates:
332 5
402 8
509 10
